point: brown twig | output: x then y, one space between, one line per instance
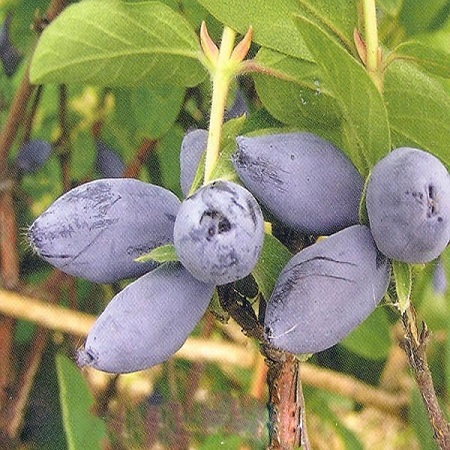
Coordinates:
241 311
63 143
14 119
28 126
8 240
415 346
133 169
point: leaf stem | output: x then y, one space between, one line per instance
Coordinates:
371 40
221 78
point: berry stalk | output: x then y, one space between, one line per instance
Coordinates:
371 41
221 79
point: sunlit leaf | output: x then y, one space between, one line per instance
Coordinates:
272 22
433 60
159 254
337 18
301 97
418 108
118 43
365 119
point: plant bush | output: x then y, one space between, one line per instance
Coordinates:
125 83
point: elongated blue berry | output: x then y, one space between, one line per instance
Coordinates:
304 181
325 291
192 147
108 163
96 230
147 322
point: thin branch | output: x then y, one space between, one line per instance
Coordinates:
144 150
30 118
196 349
15 118
347 386
63 143
12 412
415 346
77 323
9 257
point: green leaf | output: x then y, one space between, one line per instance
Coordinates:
433 60
118 43
159 254
390 7
418 108
365 124
148 112
83 430
337 18
24 14
417 19
371 339
300 98
403 283
274 256
272 22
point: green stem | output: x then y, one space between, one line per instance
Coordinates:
221 80
371 40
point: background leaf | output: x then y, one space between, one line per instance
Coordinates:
118 43
371 339
148 112
83 430
417 19
417 416
274 256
